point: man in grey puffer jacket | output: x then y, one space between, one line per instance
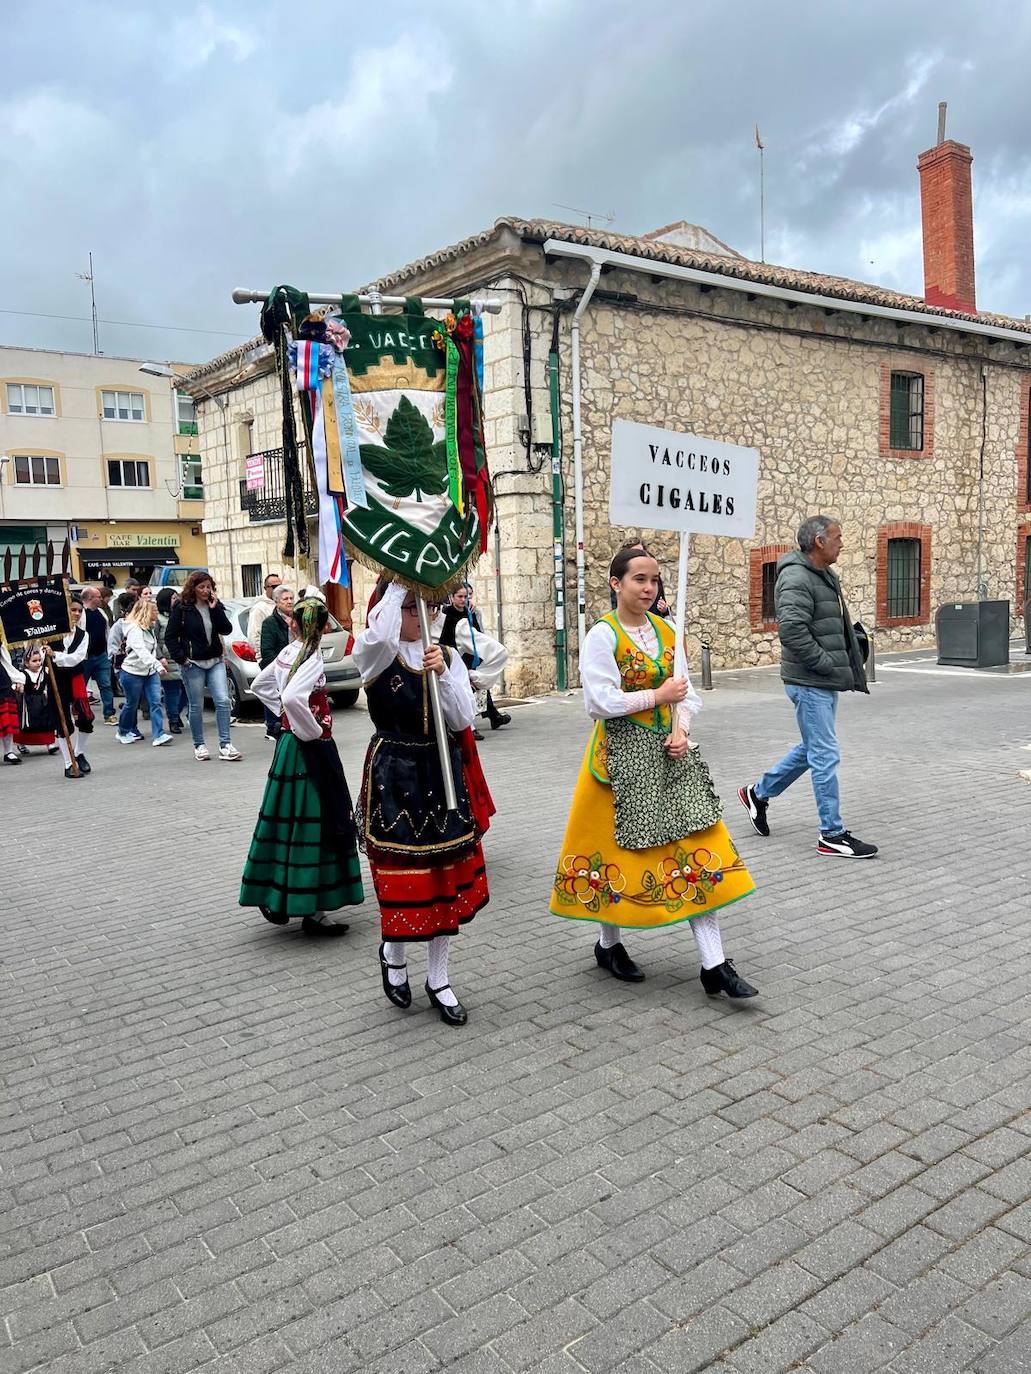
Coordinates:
820 657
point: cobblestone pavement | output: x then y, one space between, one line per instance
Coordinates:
223 1149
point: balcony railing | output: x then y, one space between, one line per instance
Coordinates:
188 427
268 502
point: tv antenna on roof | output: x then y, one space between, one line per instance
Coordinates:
88 276
588 215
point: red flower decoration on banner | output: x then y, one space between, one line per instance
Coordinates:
464 327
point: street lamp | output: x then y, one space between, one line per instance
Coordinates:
162 370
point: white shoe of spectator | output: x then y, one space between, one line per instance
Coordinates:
161 739
201 753
229 753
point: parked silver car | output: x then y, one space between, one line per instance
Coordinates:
343 679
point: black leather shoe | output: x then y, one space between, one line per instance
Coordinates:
499 719
83 762
616 961
312 927
725 978
451 1016
72 777
276 917
477 735
176 729
12 759
401 993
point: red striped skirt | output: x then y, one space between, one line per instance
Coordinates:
9 719
417 901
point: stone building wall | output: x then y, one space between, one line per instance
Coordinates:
805 386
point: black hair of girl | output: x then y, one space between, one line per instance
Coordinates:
623 559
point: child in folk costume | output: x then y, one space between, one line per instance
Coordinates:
303 859
71 690
427 863
461 627
11 684
645 845
36 726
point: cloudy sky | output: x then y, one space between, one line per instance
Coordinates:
202 146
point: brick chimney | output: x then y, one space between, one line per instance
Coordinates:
946 208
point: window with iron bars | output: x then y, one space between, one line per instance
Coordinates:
907 411
904 558
769 583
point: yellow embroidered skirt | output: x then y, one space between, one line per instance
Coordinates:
598 881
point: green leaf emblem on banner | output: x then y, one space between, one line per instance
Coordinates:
410 463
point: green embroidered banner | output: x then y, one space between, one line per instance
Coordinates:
418 525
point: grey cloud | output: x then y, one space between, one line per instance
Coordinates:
247 144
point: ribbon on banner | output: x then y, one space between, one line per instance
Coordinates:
478 344
346 476
332 555
454 466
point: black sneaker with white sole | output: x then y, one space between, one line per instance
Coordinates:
845 846
756 808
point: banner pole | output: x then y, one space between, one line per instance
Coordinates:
65 735
450 795
680 659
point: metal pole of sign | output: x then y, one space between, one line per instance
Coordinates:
243 296
680 652
450 796
680 659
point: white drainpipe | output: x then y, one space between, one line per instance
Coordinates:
578 471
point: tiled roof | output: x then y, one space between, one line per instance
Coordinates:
537 231
744 269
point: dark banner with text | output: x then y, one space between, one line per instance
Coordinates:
34 610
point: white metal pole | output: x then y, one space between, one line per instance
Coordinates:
578 472
680 654
244 296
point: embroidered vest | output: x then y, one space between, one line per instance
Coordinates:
638 672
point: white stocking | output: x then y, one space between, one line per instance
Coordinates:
394 953
7 744
437 952
66 754
609 936
706 931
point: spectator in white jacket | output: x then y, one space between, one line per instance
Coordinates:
261 610
141 676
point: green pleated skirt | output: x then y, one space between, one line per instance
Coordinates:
294 867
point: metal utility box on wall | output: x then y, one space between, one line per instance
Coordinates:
974 634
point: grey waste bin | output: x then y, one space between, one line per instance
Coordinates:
974 634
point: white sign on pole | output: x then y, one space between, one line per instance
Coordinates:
663 480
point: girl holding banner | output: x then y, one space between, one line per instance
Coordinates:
645 845
426 860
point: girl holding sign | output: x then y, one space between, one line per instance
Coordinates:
645 845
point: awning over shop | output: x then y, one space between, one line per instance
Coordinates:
128 558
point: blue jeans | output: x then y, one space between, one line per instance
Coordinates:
98 666
815 710
135 685
175 699
214 679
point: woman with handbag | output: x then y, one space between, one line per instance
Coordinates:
645 845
